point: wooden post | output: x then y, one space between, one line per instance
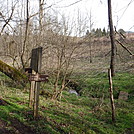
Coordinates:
37 84
34 70
31 93
36 99
111 95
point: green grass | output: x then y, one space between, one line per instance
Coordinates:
74 114
98 85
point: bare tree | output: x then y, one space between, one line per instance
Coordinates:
111 95
41 3
26 34
61 51
112 63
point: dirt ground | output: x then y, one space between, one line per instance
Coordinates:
16 127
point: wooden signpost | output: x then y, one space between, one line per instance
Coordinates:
36 77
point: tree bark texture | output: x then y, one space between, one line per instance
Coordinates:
111 95
112 63
13 73
26 35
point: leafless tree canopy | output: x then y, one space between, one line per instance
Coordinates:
66 46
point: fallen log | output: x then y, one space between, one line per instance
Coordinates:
13 73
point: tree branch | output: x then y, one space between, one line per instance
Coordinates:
8 20
125 48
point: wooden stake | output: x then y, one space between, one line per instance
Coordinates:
36 99
111 95
31 93
35 85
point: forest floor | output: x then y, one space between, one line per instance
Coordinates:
89 113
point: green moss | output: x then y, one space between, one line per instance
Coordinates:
13 73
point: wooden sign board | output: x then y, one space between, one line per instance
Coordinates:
38 77
43 78
36 59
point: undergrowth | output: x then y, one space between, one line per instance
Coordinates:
89 113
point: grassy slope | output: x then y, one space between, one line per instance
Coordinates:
73 114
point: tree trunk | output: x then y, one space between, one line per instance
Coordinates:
41 3
26 36
112 64
13 73
111 95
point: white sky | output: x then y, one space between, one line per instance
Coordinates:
123 15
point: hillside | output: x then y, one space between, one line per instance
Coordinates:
89 113
55 64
